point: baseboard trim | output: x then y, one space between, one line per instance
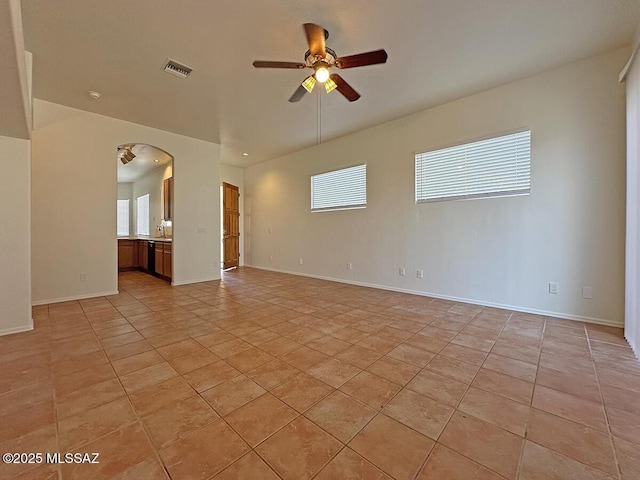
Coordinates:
74 297
10 331
516 308
189 282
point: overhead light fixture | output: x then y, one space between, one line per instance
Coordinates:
309 83
330 85
322 72
126 155
245 154
155 160
94 95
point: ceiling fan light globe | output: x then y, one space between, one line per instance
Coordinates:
322 74
309 83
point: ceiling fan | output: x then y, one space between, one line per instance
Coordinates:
320 59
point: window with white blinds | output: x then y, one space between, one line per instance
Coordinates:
143 215
499 166
123 218
339 189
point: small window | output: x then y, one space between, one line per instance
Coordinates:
143 215
340 189
123 218
498 166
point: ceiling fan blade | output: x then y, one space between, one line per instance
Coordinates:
268 64
315 37
362 59
298 94
344 88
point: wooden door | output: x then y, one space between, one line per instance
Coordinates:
166 260
231 226
159 254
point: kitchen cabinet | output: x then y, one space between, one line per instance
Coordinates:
166 260
167 198
143 254
127 254
163 259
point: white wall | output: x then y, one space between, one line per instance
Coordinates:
632 274
15 281
235 176
150 183
74 192
501 251
125 192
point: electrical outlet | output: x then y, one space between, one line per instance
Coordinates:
419 274
271 258
270 230
402 271
83 277
553 287
349 266
301 261
587 292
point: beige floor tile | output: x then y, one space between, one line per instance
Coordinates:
178 420
159 396
393 447
449 367
191 456
540 463
209 376
574 408
334 372
91 424
443 389
349 465
499 411
302 391
340 415
370 389
504 385
300 450
232 394
492 447
445 463
260 418
249 467
431 371
419 412
393 370
573 440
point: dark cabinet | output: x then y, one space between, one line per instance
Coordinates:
167 198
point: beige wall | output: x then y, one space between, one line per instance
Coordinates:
15 281
500 251
632 275
74 192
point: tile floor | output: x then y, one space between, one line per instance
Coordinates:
267 376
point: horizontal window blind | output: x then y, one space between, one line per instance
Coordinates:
143 215
123 218
487 168
340 189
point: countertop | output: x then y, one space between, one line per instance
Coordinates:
143 237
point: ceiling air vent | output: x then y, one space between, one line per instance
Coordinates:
177 69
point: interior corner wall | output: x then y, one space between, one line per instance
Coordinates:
497 251
632 273
235 176
74 192
15 255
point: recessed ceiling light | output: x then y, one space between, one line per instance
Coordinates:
156 160
245 154
94 95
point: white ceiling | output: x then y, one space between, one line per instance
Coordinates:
439 50
147 158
